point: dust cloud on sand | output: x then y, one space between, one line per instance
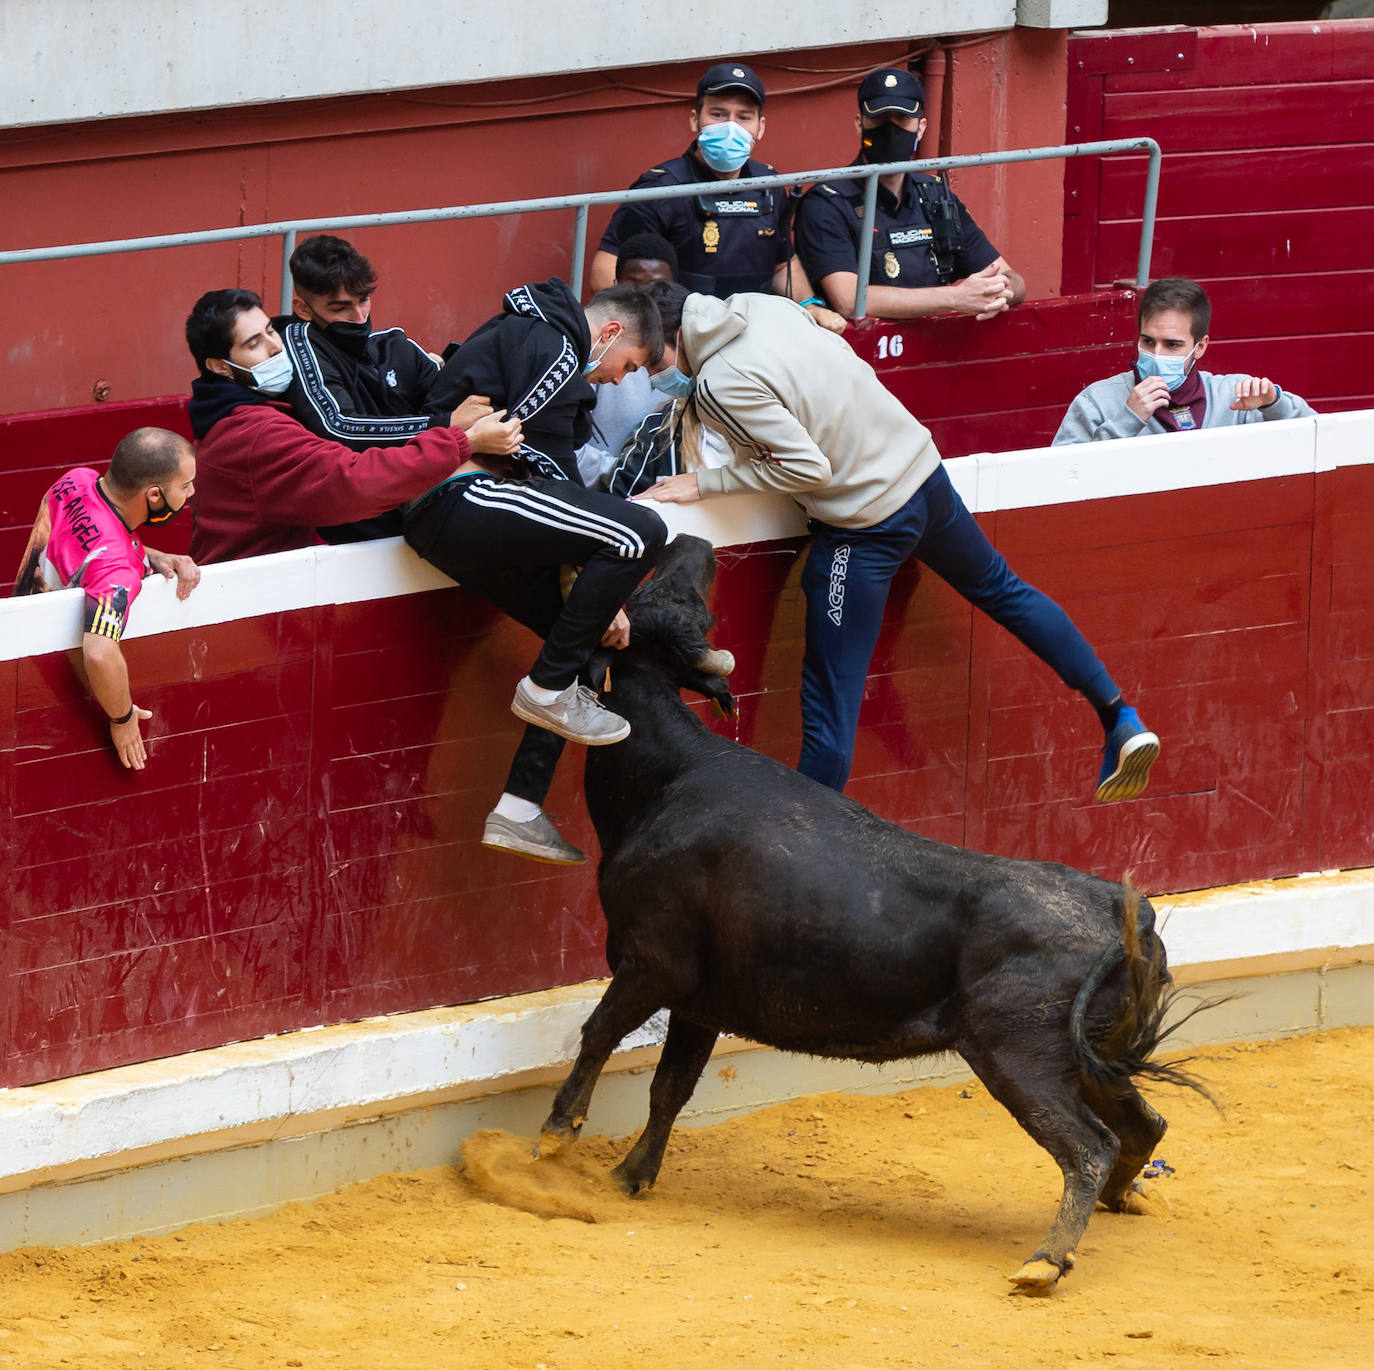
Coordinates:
571 1183
837 1233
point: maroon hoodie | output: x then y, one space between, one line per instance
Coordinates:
265 482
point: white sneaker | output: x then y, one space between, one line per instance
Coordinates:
537 839
576 714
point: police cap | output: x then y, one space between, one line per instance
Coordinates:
730 76
890 90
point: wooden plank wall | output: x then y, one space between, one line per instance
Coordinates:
1266 195
304 845
1002 385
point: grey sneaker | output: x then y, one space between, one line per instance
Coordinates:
537 839
576 714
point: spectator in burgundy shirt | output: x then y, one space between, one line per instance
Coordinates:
84 536
266 481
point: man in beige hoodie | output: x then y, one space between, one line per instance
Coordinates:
807 417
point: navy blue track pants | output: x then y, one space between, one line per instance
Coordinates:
846 580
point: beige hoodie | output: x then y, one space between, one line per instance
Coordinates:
803 414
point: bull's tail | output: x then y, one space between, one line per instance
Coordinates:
1147 1001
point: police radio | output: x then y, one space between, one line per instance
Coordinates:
942 214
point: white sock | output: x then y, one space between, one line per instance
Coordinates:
538 693
516 809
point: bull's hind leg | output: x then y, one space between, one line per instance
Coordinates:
1139 1129
685 1053
628 1003
1041 1093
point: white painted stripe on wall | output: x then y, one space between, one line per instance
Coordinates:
241 589
385 1064
1344 440
1008 480
1147 465
1268 918
103 59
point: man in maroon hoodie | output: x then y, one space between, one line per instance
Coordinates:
265 482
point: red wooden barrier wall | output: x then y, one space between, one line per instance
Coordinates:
303 846
1267 191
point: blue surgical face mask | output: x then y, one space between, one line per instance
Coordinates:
1172 370
672 382
272 377
725 147
596 358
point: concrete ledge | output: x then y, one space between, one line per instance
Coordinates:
245 1127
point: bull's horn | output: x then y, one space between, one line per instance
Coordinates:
717 661
566 576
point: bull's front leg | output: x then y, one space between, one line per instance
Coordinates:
685 1053
627 1004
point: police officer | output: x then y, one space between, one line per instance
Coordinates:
929 257
726 241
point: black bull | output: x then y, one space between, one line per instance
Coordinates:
747 899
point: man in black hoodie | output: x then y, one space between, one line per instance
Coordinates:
504 527
351 383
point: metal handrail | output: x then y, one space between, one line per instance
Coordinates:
289 229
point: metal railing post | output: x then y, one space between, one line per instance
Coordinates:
865 262
579 256
288 246
1147 217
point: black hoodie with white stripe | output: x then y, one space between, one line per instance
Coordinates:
529 360
362 391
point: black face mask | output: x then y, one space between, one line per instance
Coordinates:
888 143
350 337
166 514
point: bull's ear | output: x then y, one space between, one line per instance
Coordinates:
716 688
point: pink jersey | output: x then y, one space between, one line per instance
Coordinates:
79 539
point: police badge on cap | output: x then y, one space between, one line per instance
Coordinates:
730 76
891 90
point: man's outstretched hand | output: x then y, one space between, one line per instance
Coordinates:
673 490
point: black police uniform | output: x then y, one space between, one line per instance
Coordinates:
726 241
830 224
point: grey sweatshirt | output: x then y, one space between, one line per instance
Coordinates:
1100 411
620 409
801 412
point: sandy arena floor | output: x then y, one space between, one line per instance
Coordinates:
839 1233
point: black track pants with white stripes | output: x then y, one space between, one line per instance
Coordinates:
505 540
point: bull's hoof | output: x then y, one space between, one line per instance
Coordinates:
631 1185
553 1137
1141 1199
1039 1275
